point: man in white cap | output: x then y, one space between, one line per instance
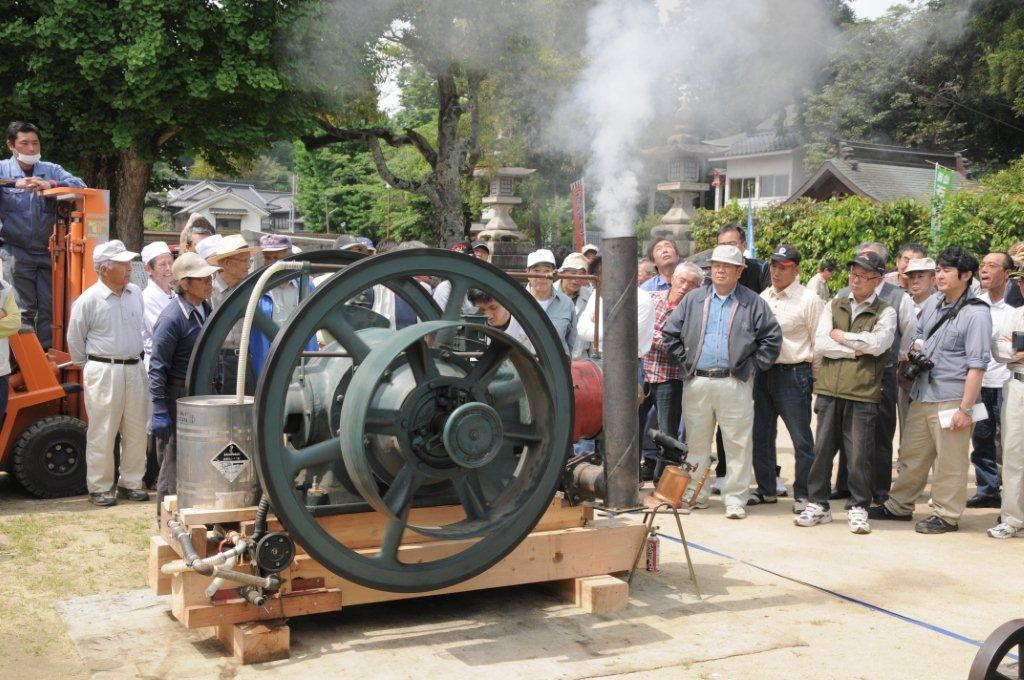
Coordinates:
156 262
105 338
919 275
558 307
174 336
234 257
590 252
721 335
207 246
578 291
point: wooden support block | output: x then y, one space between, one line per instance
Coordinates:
240 611
160 553
256 642
602 594
194 516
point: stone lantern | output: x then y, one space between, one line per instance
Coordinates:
501 199
682 163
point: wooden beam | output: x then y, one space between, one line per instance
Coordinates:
256 642
240 611
160 553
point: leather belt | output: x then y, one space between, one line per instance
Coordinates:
712 373
177 382
108 360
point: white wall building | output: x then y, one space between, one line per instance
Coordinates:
766 166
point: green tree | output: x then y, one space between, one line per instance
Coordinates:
944 75
456 44
119 85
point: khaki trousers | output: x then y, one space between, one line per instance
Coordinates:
1012 508
116 399
729 404
924 442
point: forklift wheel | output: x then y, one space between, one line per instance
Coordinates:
49 457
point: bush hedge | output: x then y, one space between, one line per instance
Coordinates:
989 216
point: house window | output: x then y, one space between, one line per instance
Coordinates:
773 185
229 223
742 187
691 169
675 170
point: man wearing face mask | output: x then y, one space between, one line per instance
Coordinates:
28 223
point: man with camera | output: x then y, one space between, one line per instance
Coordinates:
945 368
1008 348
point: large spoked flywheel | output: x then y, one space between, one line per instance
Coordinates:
413 414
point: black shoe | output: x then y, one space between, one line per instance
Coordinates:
838 494
882 512
934 525
139 495
761 499
646 472
103 500
983 501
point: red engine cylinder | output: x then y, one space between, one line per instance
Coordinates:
588 390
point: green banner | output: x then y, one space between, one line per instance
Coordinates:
941 187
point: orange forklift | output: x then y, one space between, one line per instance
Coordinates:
42 439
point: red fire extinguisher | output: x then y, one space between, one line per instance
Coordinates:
653 551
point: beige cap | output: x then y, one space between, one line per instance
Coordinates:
191 266
920 264
590 247
574 261
228 246
728 255
112 251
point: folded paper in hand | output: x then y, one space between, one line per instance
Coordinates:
979 412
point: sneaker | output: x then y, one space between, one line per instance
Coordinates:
882 512
780 487
1003 530
761 499
103 500
138 495
813 514
735 512
716 488
701 504
858 520
799 505
977 501
934 525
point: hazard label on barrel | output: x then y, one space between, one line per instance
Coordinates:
231 461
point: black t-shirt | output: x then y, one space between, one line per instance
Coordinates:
756 276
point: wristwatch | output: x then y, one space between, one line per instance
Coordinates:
965 411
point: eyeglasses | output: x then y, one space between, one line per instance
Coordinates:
860 277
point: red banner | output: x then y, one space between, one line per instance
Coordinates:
578 199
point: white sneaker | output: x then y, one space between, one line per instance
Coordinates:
780 488
702 504
858 520
813 514
1004 530
735 512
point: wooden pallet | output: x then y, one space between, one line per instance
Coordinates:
568 551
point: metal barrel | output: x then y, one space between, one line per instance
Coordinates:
619 350
216 447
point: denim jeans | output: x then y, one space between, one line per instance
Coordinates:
986 434
668 402
783 391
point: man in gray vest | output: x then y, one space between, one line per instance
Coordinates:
852 340
879 462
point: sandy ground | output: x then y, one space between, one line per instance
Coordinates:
76 607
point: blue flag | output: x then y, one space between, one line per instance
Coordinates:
750 227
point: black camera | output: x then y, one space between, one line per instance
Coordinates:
917 363
1017 341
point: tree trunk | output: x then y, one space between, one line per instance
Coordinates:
449 222
132 183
